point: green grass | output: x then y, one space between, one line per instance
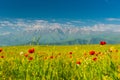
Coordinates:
56 63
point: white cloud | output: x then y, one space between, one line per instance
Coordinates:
103 27
4 33
77 21
113 19
6 23
28 25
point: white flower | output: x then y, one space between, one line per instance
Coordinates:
21 53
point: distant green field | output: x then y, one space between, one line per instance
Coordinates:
75 62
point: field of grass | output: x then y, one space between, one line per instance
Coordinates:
75 62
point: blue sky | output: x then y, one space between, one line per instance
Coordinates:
69 16
60 9
93 15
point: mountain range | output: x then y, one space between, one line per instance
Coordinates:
52 33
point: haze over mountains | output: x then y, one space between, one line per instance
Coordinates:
20 31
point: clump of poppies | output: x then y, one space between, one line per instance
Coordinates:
94 59
32 50
30 58
78 62
1 49
92 52
102 43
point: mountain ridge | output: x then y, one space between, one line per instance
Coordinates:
23 32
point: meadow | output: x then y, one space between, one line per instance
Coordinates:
72 62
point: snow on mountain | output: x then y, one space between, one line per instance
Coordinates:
13 32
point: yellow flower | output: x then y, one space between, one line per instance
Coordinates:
113 49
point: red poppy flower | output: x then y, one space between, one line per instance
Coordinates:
78 62
94 59
51 57
26 55
70 53
1 49
32 50
92 52
2 56
30 58
102 42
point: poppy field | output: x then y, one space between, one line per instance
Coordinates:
73 62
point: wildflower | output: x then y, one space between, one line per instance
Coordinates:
21 53
70 53
31 50
116 50
59 54
113 49
78 62
51 57
98 53
30 58
102 42
56 56
45 58
92 52
94 59
1 49
85 54
26 55
2 56
70 56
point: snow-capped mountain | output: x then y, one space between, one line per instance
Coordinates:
22 32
